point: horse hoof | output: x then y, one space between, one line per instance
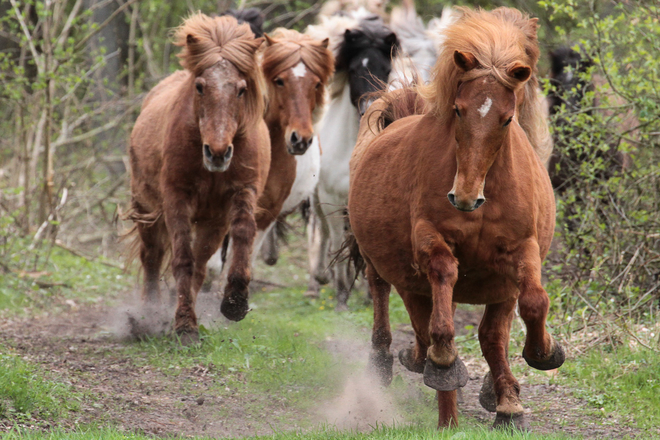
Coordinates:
271 261
312 294
445 378
487 396
234 307
555 360
511 422
407 359
381 362
188 337
341 307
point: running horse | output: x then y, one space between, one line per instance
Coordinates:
451 203
296 68
200 155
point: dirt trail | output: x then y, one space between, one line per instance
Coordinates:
77 348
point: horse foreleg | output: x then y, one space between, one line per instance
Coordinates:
269 249
177 219
380 359
541 351
494 332
444 371
242 231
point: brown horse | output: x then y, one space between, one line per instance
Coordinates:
296 68
200 155
451 203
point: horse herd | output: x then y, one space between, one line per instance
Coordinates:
445 180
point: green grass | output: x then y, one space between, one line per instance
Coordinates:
327 433
25 393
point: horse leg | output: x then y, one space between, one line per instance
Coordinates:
242 232
337 225
494 332
177 219
541 351
208 237
152 250
419 309
269 250
380 359
444 371
317 249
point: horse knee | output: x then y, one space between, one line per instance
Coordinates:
182 266
243 232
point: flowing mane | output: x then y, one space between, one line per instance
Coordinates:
206 41
286 48
498 40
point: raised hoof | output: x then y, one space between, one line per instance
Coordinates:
234 307
445 378
487 396
381 362
511 421
555 360
407 359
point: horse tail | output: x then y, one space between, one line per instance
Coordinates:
350 251
132 236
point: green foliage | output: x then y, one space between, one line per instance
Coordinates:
24 393
608 260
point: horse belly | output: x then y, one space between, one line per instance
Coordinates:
484 287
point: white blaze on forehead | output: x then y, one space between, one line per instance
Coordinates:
300 70
365 62
485 108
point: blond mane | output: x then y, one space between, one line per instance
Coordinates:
498 40
206 41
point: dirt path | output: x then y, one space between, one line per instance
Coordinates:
76 348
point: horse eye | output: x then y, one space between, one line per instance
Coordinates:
278 82
457 112
241 91
508 121
200 88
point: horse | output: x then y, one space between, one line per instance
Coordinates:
568 71
450 203
200 155
252 16
297 68
364 49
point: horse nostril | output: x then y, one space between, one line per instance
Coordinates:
452 198
207 151
480 201
230 152
294 137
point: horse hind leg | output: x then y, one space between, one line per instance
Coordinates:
541 350
504 396
380 358
152 251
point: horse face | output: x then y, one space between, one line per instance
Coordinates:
219 97
484 111
567 66
366 73
297 91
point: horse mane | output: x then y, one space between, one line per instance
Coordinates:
206 41
286 48
498 40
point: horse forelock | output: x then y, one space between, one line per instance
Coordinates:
498 39
206 41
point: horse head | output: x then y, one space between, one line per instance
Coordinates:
484 108
567 67
297 68
366 55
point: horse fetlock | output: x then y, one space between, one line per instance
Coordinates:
509 403
507 421
445 378
380 363
487 395
535 357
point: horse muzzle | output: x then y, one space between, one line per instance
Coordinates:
465 205
297 145
217 163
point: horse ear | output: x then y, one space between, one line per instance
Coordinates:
269 41
190 39
392 41
465 60
351 35
325 43
258 42
520 72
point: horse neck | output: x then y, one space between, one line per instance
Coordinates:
339 131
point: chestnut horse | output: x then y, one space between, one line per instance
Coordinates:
296 68
200 155
454 205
